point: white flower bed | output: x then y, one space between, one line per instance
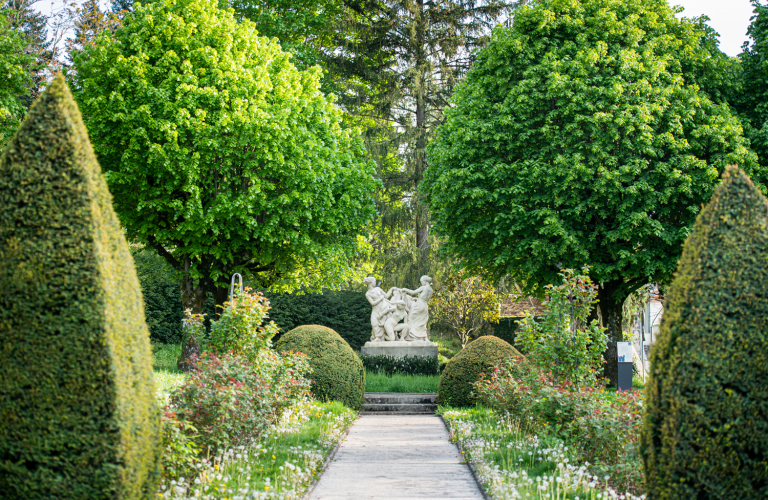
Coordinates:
502 464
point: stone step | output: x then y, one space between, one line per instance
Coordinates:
400 398
398 409
399 403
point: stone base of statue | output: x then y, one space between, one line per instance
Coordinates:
400 348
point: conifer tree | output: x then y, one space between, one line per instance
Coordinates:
77 397
705 433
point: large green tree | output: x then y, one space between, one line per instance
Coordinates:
16 80
583 136
393 64
220 154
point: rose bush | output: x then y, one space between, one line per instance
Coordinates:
231 400
602 427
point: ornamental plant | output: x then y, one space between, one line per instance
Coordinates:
562 342
240 327
706 429
78 417
230 400
466 304
602 427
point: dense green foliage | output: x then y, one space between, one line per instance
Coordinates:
239 327
464 369
407 365
14 61
753 98
337 372
707 410
564 341
160 289
77 396
584 134
220 154
346 312
230 400
506 330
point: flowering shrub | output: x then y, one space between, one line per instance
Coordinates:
230 400
180 451
239 328
601 427
562 341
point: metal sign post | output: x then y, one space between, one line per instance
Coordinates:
624 351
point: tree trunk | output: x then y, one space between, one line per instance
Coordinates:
420 163
193 298
611 304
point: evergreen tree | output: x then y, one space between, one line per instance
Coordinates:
753 101
89 20
77 395
706 425
32 26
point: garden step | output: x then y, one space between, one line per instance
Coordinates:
400 398
373 409
383 403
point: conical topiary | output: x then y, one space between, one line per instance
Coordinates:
705 433
78 417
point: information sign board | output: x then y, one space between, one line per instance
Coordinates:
624 351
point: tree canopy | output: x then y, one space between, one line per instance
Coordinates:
15 81
584 134
220 154
752 102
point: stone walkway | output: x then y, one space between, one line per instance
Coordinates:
402 457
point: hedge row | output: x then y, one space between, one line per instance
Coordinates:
408 365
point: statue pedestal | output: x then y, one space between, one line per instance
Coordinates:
400 348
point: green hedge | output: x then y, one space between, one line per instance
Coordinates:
337 372
78 417
345 312
479 356
407 365
506 329
705 432
162 299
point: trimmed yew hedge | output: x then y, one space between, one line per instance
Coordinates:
705 433
77 399
337 372
479 356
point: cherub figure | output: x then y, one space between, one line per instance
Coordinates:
392 325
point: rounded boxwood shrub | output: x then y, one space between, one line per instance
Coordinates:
705 432
479 356
337 372
78 417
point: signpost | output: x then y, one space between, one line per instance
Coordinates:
624 352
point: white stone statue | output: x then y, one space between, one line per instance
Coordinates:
387 314
379 301
418 316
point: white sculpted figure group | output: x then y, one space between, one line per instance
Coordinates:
399 314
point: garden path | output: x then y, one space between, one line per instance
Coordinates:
400 457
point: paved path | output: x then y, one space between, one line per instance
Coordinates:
402 457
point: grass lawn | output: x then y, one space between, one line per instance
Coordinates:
167 376
379 382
